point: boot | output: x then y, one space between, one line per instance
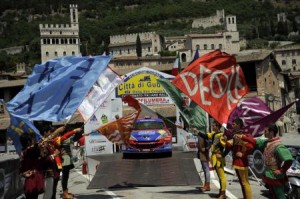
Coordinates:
206 187
66 195
70 193
222 195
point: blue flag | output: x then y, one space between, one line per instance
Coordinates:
56 88
19 126
196 56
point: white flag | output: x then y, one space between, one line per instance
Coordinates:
106 83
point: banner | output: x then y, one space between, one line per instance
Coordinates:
55 89
265 121
119 131
105 84
215 82
19 126
249 110
192 113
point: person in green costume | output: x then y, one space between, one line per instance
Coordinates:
277 159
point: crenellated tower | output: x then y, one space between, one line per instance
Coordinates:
59 40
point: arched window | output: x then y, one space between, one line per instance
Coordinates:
64 53
212 46
205 46
73 53
55 53
47 54
220 46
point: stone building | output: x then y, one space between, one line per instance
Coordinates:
288 57
265 78
59 40
227 41
125 45
206 22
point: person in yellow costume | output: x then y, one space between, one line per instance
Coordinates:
217 159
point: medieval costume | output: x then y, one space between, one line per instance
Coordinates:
217 160
240 150
274 154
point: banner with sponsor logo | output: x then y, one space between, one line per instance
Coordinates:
142 84
98 145
215 82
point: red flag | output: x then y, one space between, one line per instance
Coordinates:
131 101
119 131
215 82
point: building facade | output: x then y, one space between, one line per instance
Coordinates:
288 57
59 40
227 41
125 45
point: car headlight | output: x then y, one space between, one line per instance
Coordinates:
163 135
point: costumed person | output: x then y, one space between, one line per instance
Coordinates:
240 151
277 160
31 167
217 159
64 142
55 164
203 155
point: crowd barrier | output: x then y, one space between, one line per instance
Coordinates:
10 180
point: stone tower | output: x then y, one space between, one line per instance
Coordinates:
231 23
60 39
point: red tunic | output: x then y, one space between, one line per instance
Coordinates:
240 146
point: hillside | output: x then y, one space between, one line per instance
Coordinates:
20 19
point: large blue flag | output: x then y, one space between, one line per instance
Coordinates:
19 126
56 88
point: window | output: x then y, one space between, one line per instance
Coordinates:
120 52
220 46
47 54
283 62
213 46
294 62
64 53
128 51
229 21
62 41
205 46
55 53
73 53
1 108
232 19
155 49
197 46
149 49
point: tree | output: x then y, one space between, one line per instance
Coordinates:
138 46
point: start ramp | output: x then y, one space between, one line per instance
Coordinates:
116 172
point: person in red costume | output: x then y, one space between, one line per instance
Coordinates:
240 151
62 142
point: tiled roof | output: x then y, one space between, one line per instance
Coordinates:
252 55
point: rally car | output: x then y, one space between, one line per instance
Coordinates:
149 135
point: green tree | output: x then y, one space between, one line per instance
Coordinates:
138 46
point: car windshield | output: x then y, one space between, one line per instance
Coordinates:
148 125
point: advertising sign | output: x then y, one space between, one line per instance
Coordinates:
98 145
142 84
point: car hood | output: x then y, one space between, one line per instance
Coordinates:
147 135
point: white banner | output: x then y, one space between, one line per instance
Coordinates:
97 145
